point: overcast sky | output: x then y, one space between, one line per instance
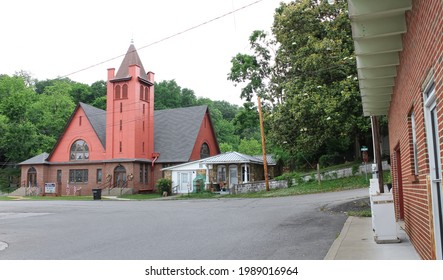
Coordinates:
51 38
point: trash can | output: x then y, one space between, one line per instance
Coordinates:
97 194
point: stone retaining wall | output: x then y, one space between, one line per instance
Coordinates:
258 186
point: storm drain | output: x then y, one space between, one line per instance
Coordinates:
3 245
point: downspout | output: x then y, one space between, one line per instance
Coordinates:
155 156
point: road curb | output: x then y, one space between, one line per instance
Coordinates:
332 253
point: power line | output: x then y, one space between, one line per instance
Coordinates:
167 38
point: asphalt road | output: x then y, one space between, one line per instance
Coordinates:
295 227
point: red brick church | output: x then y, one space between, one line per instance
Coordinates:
125 146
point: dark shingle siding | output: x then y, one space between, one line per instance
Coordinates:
176 131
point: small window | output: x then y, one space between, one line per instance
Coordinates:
121 125
99 175
221 173
59 176
143 109
143 147
78 175
144 173
121 146
125 91
80 121
79 151
143 125
121 107
117 92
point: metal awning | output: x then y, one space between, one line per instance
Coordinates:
377 28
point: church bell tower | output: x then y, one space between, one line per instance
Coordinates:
130 110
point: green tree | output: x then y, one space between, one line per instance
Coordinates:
250 147
246 122
322 112
167 95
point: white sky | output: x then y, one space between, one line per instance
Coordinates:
51 38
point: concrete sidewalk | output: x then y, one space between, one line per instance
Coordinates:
356 242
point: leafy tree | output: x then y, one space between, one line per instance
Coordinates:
250 147
254 70
246 122
187 97
322 110
226 147
227 109
167 95
309 83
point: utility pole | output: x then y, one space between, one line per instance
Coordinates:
263 144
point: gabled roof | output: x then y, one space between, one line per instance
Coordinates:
176 131
131 58
38 159
97 118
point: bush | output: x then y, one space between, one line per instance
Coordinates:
328 160
291 178
164 185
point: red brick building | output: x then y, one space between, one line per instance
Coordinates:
399 50
125 146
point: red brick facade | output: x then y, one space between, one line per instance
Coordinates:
422 54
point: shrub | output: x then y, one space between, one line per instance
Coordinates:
328 160
164 185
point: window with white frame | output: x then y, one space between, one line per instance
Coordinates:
245 171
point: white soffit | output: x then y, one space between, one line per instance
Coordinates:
377 28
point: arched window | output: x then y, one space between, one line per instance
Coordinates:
142 93
125 91
204 151
147 94
32 177
79 150
117 92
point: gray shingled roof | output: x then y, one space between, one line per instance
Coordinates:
131 58
232 157
97 118
38 159
269 159
176 131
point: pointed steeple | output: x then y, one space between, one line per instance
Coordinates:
131 58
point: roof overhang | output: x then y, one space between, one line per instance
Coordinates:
377 28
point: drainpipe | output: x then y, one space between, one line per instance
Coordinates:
155 156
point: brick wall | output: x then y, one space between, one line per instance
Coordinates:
422 51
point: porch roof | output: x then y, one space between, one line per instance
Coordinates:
236 157
377 28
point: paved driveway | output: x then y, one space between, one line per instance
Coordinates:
274 228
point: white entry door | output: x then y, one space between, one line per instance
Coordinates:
185 182
233 175
431 120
